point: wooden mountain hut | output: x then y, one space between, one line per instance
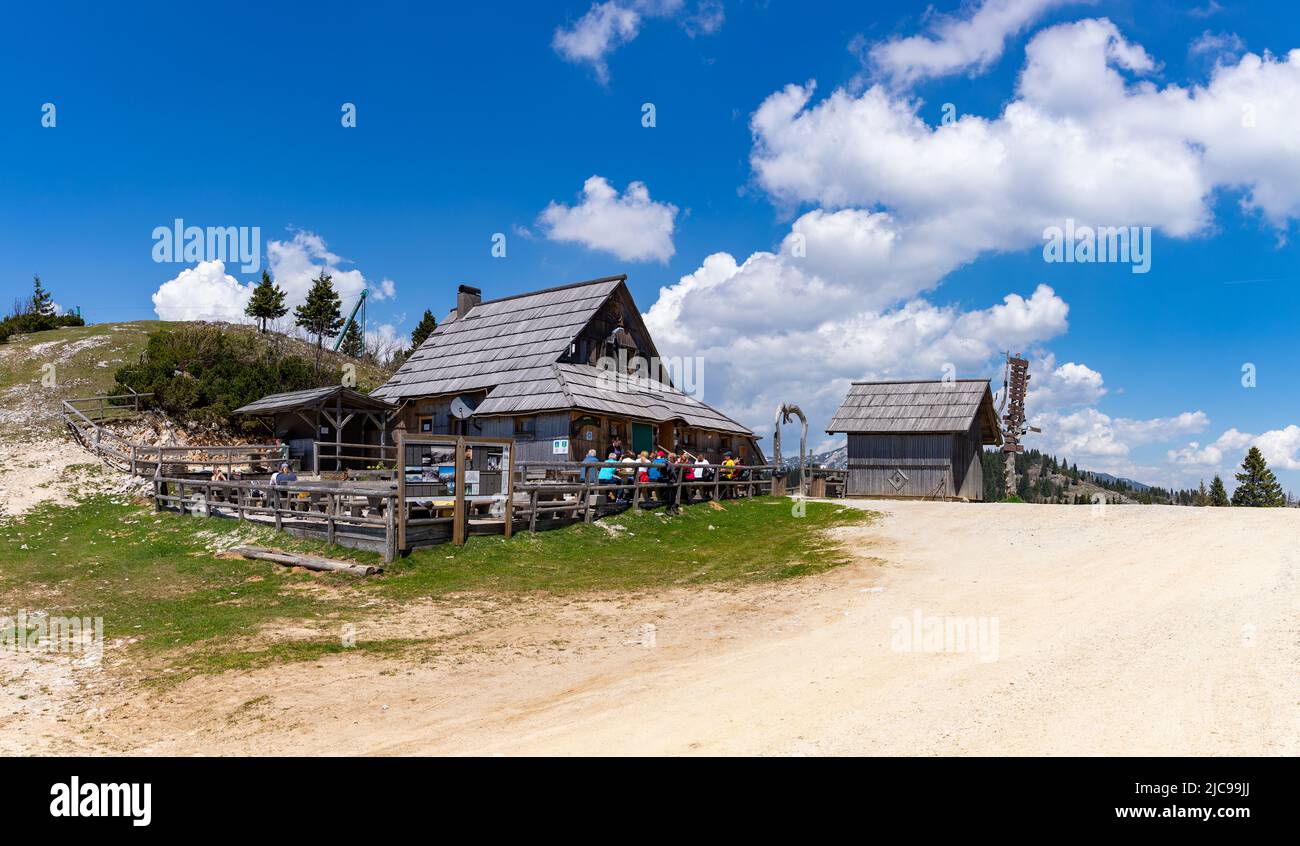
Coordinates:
336 416
535 367
918 438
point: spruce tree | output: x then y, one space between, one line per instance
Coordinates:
321 314
1257 487
1218 493
354 345
267 302
423 330
42 302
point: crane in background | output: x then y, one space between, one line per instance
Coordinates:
360 306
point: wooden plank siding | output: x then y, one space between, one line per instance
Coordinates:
939 465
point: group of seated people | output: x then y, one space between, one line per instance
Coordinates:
661 473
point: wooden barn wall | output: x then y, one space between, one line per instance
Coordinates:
547 427
967 470
927 460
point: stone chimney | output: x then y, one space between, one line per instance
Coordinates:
466 299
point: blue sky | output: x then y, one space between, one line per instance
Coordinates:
473 121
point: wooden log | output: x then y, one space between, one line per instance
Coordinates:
311 562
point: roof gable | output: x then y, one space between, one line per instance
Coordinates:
918 407
500 342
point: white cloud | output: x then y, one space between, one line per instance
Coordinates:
970 42
207 292
607 26
630 226
296 262
1053 388
386 338
1084 138
202 292
1216 43
1281 449
765 326
1096 440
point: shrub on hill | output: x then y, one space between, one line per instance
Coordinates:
201 373
35 313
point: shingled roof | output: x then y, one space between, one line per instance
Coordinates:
309 398
921 406
511 348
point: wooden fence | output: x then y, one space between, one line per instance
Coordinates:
369 509
85 415
359 516
345 456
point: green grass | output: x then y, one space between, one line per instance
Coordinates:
752 540
155 579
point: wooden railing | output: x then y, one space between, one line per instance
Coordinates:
573 491
105 443
352 456
363 517
85 415
107 407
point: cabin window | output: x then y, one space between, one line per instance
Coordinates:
426 425
616 430
525 428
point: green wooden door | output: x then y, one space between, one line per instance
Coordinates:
643 437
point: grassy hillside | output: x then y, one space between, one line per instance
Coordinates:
83 360
180 608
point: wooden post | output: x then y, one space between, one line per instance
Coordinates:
399 477
458 513
532 511
331 510
390 529
132 459
636 488
509 468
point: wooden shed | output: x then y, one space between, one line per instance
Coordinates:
535 367
917 439
302 419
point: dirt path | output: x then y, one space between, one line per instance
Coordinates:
1139 630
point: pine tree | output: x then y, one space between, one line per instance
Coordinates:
321 314
42 302
1257 487
423 330
267 302
354 345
